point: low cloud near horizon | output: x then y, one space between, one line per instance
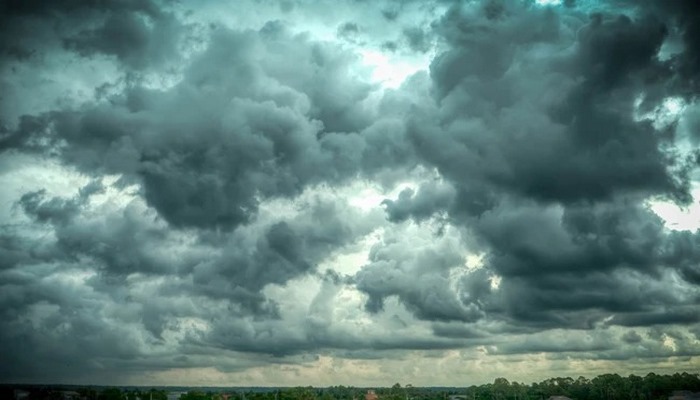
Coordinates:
282 193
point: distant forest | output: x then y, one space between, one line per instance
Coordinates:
603 387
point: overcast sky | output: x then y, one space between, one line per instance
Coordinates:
348 192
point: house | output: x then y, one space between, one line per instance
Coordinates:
70 395
20 394
371 395
174 395
684 395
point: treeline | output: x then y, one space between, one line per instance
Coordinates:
42 392
603 387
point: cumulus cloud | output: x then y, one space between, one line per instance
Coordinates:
234 188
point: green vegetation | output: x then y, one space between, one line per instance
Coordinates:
603 387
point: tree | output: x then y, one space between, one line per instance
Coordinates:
111 394
501 388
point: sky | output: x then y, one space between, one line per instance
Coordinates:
348 192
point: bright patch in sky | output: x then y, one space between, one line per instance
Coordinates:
367 199
495 282
548 2
388 70
679 218
668 112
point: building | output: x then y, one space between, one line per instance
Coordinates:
684 395
371 395
70 395
174 395
20 394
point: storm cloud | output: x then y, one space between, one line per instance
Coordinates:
280 193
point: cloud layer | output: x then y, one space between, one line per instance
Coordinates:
237 194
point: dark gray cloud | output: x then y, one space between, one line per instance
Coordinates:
417 39
208 148
422 204
29 24
550 167
419 277
583 124
632 337
138 40
282 251
246 197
